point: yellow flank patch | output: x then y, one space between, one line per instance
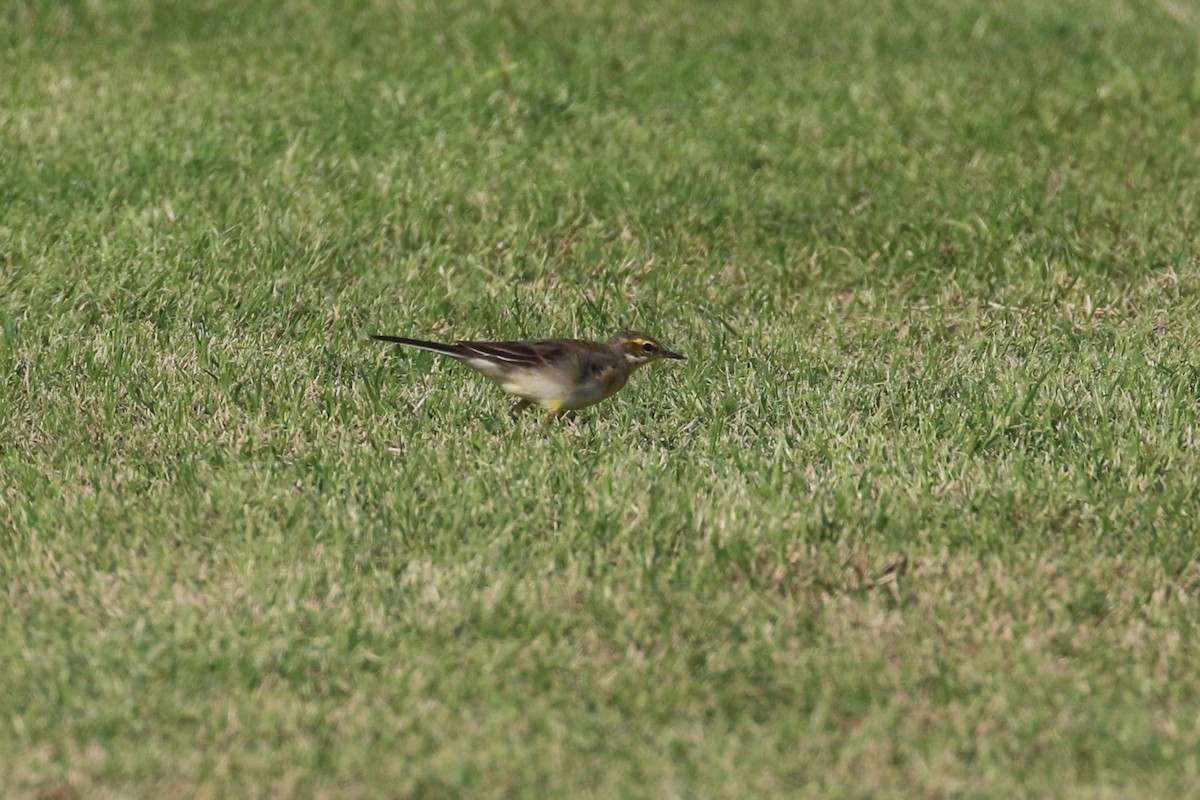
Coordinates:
553 403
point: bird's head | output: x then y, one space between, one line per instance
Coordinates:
640 349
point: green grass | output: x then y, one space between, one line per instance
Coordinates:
917 518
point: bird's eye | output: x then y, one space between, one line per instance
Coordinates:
647 348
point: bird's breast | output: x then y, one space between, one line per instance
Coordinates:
613 380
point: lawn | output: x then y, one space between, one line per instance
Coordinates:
917 517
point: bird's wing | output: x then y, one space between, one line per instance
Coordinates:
533 353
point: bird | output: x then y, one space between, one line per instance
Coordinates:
559 375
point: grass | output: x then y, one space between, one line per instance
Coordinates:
916 518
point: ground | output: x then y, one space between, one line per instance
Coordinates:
916 518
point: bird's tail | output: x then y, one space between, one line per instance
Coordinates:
453 350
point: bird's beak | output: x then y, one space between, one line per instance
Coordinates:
677 356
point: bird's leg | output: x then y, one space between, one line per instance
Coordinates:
519 407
